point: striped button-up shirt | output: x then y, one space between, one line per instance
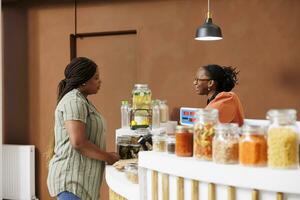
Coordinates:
68 169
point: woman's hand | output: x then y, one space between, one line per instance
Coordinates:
114 157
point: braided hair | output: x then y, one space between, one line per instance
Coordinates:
77 72
225 77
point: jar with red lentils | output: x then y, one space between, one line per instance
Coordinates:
184 142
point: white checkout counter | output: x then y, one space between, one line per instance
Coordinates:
164 176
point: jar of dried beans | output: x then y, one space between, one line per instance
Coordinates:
226 144
204 132
283 139
253 146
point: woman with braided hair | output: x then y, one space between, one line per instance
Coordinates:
217 82
78 155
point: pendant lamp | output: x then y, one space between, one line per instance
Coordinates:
208 31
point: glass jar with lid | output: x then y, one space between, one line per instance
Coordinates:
131 172
204 132
226 144
159 142
140 118
171 140
141 97
184 142
253 146
283 139
164 111
123 146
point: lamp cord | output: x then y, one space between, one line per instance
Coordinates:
208 9
208 6
75 17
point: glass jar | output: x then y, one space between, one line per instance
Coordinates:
226 144
123 147
140 118
125 114
155 114
159 143
283 139
204 132
184 142
131 172
253 146
171 140
164 111
141 97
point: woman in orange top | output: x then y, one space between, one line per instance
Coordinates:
216 82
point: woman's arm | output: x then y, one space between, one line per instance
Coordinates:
76 130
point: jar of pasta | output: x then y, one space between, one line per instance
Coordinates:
226 144
253 146
184 142
204 132
283 139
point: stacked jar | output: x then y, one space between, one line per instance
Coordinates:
283 139
171 141
253 146
141 97
204 132
141 107
184 141
128 147
226 144
159 143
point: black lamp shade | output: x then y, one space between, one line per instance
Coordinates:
208 31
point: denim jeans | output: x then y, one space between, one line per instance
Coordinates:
67 196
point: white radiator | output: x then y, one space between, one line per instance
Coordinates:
18 172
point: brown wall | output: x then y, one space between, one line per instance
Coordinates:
261 38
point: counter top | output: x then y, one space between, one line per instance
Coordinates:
262 178
118 182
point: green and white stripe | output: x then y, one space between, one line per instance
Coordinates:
68 169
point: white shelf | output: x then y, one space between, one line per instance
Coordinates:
261 178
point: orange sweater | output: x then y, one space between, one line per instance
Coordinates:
229 106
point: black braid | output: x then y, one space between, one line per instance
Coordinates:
77 72
225 77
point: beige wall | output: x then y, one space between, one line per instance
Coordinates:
261 38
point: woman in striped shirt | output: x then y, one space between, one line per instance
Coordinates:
77 164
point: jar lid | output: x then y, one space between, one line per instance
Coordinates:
208 111
124 138
159 137
282 114
253 129
142 131
228 128
181 129
171 138
141 85
132 167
